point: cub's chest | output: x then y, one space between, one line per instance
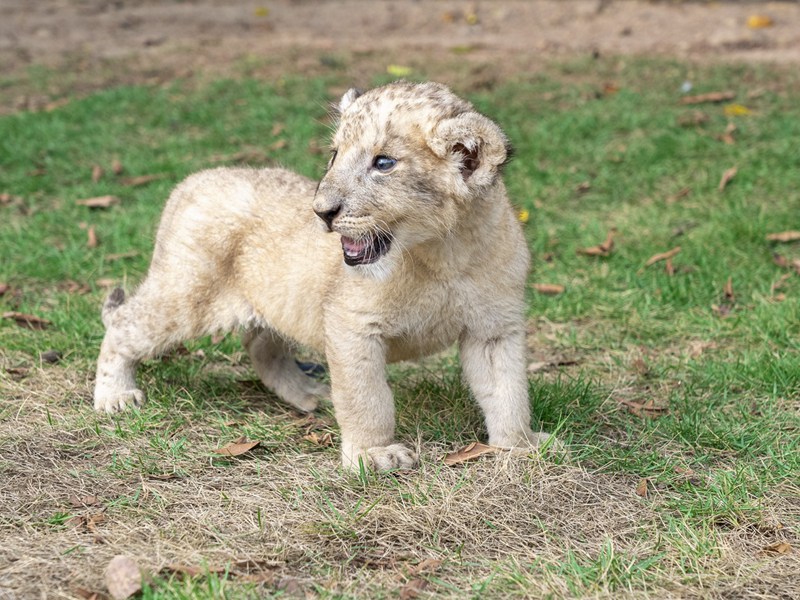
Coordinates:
424 322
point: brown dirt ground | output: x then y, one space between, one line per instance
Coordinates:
104 42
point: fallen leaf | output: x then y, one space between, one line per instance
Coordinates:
784 237
602 249
191 571
97 173
721 310
93 520
470 452
104 282
98 202
779 284
162 476
662 256
427 565
697 347
778 548
83 501
709 97
123 577
87 594
27 321
18 372
549 289
726 178
412 589
277 129
726 307
291 586
319 440
727 137
640 365
641 489
694 117
691 476
51 106
728 290
116 166
261 11
583 187
237 447
74 287
681 194
91 238
140 180
736 110
759 21
398 70
537 366
4 287
278 145
470 16
645 409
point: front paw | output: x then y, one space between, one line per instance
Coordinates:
115 402
380 458
527 439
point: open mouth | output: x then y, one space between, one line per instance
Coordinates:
364 251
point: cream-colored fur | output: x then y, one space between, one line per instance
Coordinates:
435 256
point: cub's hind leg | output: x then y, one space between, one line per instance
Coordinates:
135 329
275 365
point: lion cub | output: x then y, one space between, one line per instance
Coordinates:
407 245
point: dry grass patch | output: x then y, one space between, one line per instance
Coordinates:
79 489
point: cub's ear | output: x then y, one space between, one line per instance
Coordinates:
475 143
348 98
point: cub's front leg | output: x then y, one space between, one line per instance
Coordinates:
494 367
363 402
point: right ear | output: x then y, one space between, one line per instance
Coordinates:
348 98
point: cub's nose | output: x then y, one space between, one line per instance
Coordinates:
329 214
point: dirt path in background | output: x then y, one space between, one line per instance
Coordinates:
114 41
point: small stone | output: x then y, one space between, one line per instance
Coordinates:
51 356
123 577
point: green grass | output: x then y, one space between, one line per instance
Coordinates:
722 452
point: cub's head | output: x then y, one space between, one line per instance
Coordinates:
408 162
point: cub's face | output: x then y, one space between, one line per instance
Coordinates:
408 162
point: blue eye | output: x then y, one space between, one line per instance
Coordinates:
384 163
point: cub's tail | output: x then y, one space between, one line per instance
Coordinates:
115 299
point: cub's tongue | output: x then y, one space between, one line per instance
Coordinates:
353 247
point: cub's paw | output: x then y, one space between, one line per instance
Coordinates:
304 402
381 458
306 397
389 458
526 440
118 401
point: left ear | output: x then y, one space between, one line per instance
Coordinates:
475 142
